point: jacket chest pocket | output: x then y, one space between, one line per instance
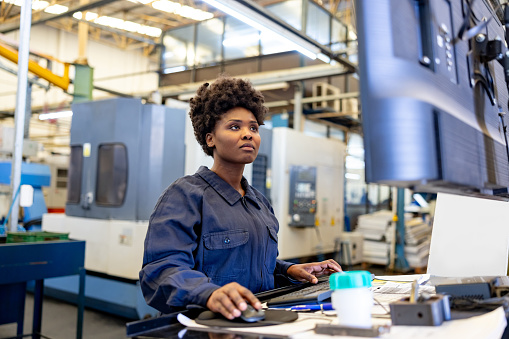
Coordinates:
225 256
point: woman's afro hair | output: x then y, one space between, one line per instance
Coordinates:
212 101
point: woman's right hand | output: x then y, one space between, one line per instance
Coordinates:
230 300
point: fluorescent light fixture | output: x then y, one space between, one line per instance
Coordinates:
90 16
55 115
56 9
182 10
263 24
353 163
353 176
174 69
117 23
39 5
323 57
274 85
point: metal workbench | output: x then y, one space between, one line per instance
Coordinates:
24 262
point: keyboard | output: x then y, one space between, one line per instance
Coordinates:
313 294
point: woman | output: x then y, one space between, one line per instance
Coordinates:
212 238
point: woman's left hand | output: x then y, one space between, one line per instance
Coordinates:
309 272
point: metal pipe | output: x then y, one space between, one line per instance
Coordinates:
19 115
60 81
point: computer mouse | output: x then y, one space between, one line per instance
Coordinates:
251 314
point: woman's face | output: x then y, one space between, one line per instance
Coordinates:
235 138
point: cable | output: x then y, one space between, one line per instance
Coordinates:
10 209
504 129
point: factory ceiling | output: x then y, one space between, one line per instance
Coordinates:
139 24
146 18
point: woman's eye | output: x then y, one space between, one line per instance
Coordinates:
234 127
254 128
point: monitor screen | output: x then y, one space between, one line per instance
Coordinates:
434 95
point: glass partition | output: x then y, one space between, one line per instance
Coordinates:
289 11
227 38
338 35
318 24
208 41
178 47
240 40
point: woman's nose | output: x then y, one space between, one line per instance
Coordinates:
247 134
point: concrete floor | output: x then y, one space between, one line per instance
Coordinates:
59 322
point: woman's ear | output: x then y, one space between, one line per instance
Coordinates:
209 138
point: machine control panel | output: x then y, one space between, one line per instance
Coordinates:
302 209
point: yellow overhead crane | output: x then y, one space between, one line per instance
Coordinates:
44 73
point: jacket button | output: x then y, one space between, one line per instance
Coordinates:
226 240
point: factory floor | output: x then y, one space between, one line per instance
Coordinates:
59 322
59 318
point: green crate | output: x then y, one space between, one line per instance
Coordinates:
35 236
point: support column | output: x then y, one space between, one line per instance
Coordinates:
401 262
19 114
82 38
297 108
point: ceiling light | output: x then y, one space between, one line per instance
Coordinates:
39 5
182 10
55 115
90 16
56 9
174 69
353 176
263 24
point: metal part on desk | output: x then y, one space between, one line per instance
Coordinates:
373 331
430 312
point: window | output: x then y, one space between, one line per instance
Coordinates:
75 170
240 40
289 11
318 24
111 174
338 36
178 47
208 41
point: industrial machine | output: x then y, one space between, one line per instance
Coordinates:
33 175
307 192
123 155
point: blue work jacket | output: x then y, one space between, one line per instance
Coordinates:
204 234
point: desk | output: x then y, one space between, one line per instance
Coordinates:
484 326
23 262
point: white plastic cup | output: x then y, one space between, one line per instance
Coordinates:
352 298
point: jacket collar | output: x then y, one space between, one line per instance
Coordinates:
225 190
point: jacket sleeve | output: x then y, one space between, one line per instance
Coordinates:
167 278
282 266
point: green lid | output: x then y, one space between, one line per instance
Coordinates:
350 279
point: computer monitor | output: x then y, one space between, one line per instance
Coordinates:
434 95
